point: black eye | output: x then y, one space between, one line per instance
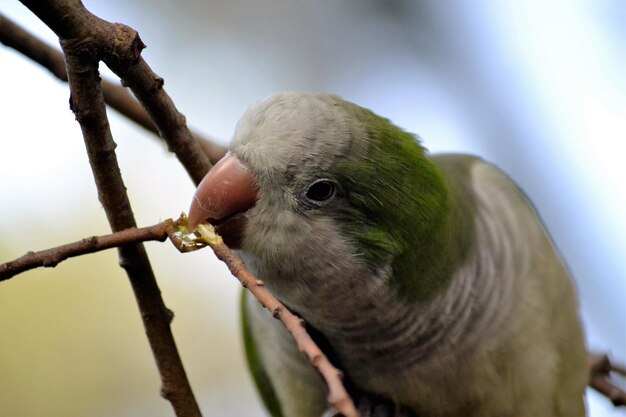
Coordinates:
320 191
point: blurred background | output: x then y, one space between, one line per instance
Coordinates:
536 87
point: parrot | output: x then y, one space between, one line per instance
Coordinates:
428 279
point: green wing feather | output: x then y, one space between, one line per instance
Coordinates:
261 379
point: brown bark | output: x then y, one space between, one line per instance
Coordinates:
85 40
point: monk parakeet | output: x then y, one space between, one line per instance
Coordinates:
428 279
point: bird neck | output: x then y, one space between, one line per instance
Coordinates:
364 316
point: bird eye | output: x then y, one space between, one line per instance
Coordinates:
320 191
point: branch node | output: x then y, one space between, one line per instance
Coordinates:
167 393
91 241
52 261
121 46
600 367
125 263
159 82
316 359
170 315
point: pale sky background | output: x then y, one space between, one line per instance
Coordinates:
536 87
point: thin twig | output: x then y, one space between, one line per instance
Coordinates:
600 378
116 96
86 39
338 397
50 258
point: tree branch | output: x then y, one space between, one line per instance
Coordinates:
600 378
86 39
50 258
171 124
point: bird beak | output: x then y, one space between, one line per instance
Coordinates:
223 197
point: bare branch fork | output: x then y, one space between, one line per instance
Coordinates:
601 370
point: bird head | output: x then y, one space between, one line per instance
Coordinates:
311 176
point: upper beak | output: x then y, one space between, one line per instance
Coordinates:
226 191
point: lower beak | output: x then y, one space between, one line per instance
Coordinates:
223 197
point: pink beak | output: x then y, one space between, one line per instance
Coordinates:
224 195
